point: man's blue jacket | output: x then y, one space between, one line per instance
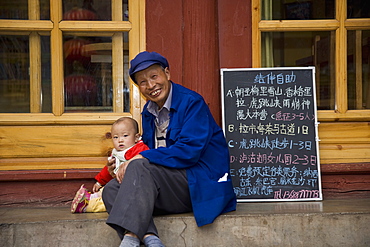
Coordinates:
195 143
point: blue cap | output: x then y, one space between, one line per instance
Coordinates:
144 60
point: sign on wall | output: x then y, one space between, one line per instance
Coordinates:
270 124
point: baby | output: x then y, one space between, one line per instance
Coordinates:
127 143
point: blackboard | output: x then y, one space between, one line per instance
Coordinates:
270 124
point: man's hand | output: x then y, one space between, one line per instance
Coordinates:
122 168
111 166
121 171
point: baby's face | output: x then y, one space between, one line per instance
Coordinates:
124 135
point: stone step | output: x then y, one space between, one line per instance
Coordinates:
324 223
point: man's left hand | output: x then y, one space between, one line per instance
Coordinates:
122 169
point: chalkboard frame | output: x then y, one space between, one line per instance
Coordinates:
316 123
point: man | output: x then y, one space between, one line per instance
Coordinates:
186 168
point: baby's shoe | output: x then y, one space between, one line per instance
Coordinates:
81 200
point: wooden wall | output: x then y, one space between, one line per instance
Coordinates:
345 159
198 38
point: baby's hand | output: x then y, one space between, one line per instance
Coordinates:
96 187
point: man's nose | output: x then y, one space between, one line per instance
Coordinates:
151 83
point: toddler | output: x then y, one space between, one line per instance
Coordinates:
127 143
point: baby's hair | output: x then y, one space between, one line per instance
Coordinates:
133 121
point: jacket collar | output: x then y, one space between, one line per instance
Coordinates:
175 100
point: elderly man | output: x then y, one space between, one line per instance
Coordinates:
186 168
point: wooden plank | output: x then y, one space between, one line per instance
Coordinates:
298 25
28 164
343 147
346 186
341 59
67 118
344 132
56 45
137 44
41 194
344 142
117 72
350 115
344 155
117 11
358 23
358 68
54 141
142 24
34 9
97 26
201 52
35 73
347 182
256 34
354 168
42 175
332 70
235 41
26 25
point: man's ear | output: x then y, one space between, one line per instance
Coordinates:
167 72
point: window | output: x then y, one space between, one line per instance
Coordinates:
333 36
66 61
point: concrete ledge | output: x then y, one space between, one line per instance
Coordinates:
326 223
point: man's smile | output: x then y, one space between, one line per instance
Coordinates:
155 93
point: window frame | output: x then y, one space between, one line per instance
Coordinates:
340 25
56 26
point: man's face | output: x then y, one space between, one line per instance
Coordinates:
154 83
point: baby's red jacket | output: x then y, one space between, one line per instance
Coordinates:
104 177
